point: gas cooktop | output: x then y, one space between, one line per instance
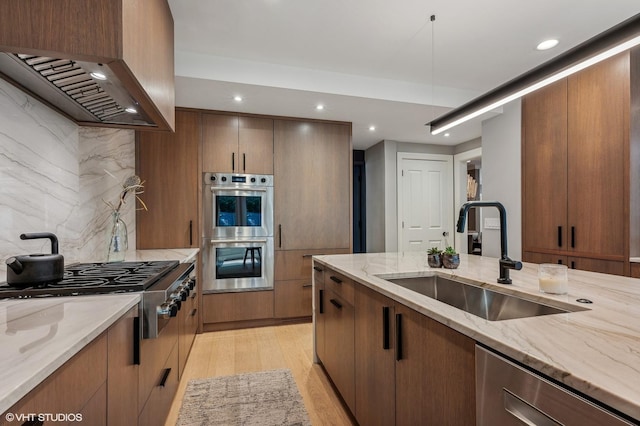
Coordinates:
94 278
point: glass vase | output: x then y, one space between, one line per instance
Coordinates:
117 238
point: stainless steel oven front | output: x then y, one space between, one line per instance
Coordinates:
237 205
232 265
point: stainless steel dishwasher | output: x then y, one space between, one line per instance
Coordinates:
508 394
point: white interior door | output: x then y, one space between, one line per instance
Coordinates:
425 201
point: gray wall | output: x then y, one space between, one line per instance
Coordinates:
382 211
501 178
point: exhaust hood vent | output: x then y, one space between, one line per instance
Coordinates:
85 98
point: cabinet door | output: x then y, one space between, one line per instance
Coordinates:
168 165
312 163
598 105
319 313
544 168
339 346
219 143
435 372
375 379
122 373
255 146
292 298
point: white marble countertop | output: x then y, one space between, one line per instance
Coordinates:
596 352
37 336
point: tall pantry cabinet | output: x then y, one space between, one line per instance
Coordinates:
578 191
312 199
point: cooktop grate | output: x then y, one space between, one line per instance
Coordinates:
94 278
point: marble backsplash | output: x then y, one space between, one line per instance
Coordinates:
55 176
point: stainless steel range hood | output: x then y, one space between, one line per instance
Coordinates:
72 87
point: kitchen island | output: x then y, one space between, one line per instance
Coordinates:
41 335
595 352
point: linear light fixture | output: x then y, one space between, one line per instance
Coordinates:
615 40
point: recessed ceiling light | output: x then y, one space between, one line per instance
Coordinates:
237 98
320 107
547 44
446 135
131 110
372 128
98 76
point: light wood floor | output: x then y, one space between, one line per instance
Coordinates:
224 353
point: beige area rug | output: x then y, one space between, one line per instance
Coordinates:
262 398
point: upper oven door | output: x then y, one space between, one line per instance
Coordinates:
238 206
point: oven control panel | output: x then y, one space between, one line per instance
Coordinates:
236 180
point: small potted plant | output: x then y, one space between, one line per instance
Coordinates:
434 257
450 258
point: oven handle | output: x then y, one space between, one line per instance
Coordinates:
238 241
238 188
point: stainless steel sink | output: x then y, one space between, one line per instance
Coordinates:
488 304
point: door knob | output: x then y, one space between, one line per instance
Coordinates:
445 234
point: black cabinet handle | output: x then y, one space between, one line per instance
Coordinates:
559 236
321 301
573 265
335 303
233 161
193 313
559 261
398 337
165 376
573 236
190 232
317 268
244 162
335 279
33 422
280 235
385 327
136 340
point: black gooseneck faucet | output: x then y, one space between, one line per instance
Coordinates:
505 262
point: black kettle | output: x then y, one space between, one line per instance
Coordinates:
33 269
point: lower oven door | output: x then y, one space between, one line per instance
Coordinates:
238 265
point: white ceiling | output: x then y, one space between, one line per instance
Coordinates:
370 62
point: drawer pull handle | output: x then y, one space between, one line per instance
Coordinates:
193 312
398 337
385 327
317 268
336 279
525 412
306 285
559 236
321 301
335 303
165 376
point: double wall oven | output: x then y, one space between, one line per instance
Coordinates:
238 232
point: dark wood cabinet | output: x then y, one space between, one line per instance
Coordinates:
335 324
375 370
100 382
312 185
339 345
122 378
237 144
435 372
410 369
576 186
187 327
168 165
